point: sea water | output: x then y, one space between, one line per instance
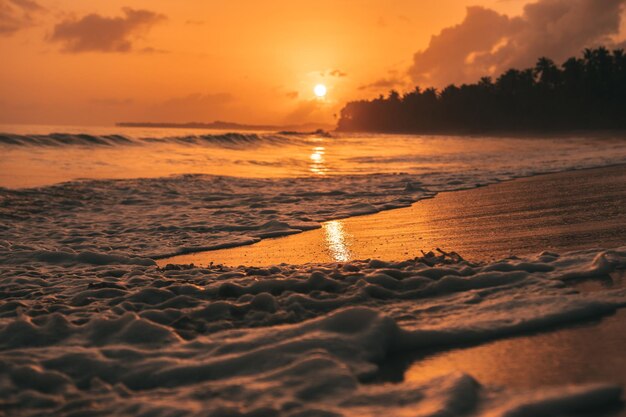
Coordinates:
90 325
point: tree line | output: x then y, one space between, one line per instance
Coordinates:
583 93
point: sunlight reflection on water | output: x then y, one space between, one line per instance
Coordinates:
318 162
272 155
336 241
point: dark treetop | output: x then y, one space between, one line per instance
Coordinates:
583 93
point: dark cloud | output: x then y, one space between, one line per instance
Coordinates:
337 73
29 5
383 84
16 15
333 73
487 42
151 50
292 95
104 34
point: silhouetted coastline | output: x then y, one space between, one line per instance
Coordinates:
220 125
583 94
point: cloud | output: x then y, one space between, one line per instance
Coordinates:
333 73
488 43
383 84
105 34
16 15
292 95
337 73
151 50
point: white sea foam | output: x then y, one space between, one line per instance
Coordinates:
123 339
227 140
162 217
90 326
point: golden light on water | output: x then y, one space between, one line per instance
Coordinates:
316 157
318 162
336 241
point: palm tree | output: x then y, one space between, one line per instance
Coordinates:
547 73
587 92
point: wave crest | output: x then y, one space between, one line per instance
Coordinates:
228 140
63 139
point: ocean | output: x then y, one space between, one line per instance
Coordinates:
90 325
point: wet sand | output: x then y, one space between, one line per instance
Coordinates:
591 352
558 212
583 353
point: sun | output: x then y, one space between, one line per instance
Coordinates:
320 90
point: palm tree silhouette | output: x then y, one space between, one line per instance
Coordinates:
583 93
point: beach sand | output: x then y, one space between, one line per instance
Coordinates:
559 212
113 334
89 324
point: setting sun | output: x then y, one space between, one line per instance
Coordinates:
320 90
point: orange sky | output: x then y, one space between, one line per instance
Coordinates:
246 60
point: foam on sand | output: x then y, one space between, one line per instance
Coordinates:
295 341
89 325
163 217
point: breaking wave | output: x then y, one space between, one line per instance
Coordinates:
228 140
63 139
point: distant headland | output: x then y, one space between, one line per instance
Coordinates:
221 125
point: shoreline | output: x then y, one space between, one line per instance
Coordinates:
98 330
159 216
364 227
161 258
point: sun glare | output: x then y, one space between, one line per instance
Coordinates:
320 90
